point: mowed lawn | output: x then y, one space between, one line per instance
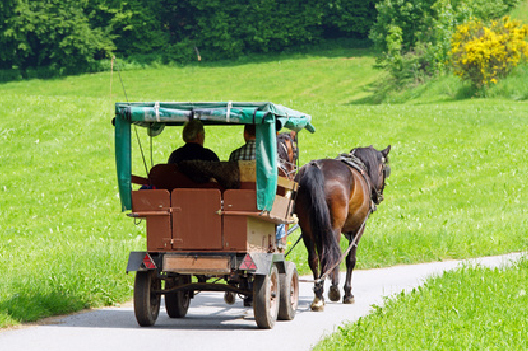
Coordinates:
458 186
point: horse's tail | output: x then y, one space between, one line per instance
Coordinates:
312 185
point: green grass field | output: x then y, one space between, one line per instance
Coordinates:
458 186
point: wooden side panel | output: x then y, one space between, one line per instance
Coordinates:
281 207
235 227
158 226
260 235
246 233
196 222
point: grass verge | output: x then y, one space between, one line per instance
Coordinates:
472 308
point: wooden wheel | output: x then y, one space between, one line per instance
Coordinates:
289 292
146 303
266 292
177 304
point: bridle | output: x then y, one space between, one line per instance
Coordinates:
377 192
384 174
287 166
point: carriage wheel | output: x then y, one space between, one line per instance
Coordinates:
177 304
146 304
289 292
266 292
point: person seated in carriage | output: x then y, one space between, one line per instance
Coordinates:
248 151
194 137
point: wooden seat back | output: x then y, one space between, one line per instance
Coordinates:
168 176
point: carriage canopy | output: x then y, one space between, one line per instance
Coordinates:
155 116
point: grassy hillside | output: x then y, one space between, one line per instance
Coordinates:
458 187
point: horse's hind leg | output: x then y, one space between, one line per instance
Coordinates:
334 294
317 304
350 265
313 261
318 301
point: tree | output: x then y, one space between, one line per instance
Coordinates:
54 34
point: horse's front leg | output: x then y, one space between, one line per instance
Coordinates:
350 265
333 293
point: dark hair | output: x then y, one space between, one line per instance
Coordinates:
192 129
251 129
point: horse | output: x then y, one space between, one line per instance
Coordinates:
288 154
336 196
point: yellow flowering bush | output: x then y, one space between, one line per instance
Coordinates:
484 54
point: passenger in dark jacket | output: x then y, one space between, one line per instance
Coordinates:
194 137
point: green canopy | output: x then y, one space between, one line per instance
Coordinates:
155 116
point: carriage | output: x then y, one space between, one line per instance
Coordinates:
211 226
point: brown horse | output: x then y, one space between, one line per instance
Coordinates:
287 154
337 196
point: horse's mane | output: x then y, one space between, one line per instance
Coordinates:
371 158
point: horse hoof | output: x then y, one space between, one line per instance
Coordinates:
229 298
349 300
317 306
334 294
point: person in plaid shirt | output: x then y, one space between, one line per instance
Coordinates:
248 151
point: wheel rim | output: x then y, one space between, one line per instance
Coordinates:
155 284
274 303
294 290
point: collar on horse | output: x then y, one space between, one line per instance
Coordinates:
352 161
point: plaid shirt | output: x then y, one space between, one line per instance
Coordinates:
248 151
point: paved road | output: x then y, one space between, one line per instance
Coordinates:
211 325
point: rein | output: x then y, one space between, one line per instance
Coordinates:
353 243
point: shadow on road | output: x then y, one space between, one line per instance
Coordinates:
207 312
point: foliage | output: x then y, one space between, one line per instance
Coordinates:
268 25
68 35
427 27
55 34
411 16
486 10
483 54
133 26
348 17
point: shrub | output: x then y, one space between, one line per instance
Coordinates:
426 28
404 66
483 54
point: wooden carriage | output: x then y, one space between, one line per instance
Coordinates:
223 228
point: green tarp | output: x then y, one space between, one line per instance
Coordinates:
268 118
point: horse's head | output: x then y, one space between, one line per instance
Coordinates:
378 169
288 154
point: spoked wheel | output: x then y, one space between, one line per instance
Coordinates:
177 304
146 303
266 294
289 292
